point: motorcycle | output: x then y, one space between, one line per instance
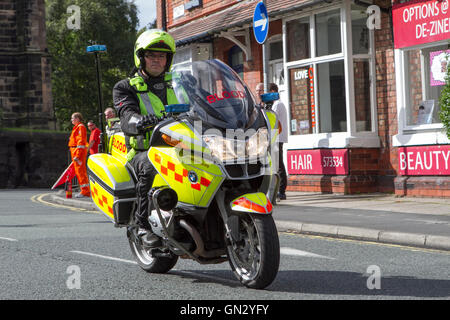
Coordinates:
211 199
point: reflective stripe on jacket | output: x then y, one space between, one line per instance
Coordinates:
78 139
149 104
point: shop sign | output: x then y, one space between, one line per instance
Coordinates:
427 160
317 161
419 22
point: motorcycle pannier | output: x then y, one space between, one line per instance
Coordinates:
112 187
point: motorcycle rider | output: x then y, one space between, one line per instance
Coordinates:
140 100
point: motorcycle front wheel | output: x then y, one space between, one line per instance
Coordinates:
254 252
145 259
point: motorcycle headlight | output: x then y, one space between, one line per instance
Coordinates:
225 149
258 144
234 149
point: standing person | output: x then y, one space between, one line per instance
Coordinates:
94 137
279 108
142 98
112 122
259 91
110 115
78 150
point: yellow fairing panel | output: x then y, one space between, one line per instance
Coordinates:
110 170
252 202
273 122
184 132
174 173
102 199
117 147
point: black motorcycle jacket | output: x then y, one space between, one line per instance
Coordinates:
126 101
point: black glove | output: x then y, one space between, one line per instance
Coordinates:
147 121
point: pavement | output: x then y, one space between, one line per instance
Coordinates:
377 217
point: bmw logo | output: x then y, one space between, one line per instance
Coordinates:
192 176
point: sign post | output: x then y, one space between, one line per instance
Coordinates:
261 30
96 50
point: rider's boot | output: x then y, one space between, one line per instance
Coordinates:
148 238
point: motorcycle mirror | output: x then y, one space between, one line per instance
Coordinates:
177 108
270 97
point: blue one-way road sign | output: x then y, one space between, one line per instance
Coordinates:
260 23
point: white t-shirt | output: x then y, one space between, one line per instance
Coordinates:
279 108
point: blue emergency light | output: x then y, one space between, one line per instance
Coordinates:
96 48
270 97
177 108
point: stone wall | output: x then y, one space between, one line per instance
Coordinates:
32 159
31 154
25 87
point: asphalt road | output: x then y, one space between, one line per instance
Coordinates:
55 252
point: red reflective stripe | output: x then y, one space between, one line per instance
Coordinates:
196 186
157 158
258 208
178 177
245 203
204 182
170 166
269 206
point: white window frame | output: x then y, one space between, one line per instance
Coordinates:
412 135
350 138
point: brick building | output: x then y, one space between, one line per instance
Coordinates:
352 92
33 154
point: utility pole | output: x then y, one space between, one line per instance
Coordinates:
96 50
265 57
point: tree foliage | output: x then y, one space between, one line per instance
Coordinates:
74 79
444 101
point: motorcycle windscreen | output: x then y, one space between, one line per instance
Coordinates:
216 94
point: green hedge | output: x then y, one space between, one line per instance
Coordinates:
444 102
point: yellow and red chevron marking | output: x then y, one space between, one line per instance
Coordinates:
101 200
252 206
177 176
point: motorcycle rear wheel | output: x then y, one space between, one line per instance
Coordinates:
147 262
256 258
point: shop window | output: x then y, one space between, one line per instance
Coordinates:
303 118
236 60
276 66
424 72
361 80
331 82
298 31
328 32
360 33
319 83
276 50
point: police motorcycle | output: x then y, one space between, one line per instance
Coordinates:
210 201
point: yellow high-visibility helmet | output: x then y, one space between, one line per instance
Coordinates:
156 40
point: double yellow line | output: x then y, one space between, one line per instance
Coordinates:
39 198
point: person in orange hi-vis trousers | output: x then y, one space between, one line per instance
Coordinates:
78 150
